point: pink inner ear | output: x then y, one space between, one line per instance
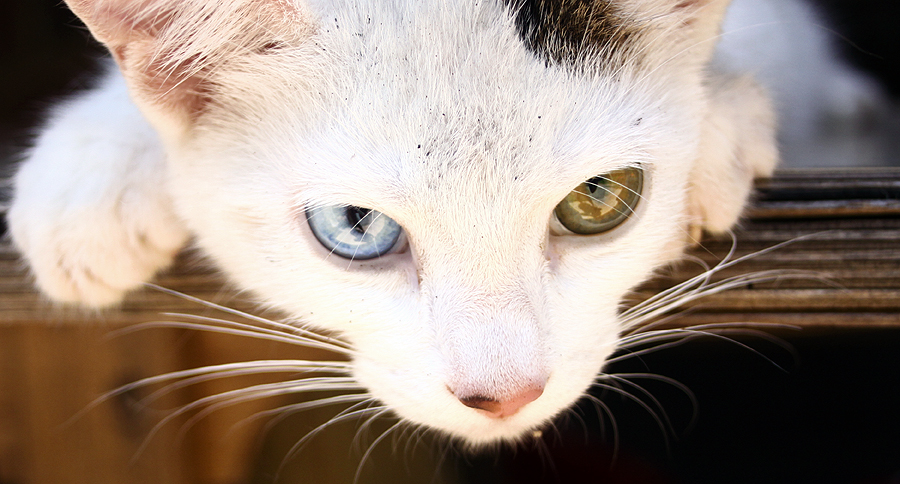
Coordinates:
167 49
115 22
692 4
180 87
145 18
696 7
132 31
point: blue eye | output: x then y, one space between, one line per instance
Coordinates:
353 232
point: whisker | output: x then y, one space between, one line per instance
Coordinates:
746 328
659 421
576 414
177 385
233 397
248 394
270 336
721 334
262 366
419 436
697 281
372 446
365 233
638 194
276 415
347 414
624 378
727 262
700 286
364 427
628 208
680 339
646 393
243 314
341 417
601 406
280 329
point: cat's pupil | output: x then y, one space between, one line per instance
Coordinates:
356 217
597 184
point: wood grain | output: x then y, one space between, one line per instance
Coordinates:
841 266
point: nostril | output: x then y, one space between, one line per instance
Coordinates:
481 403
503 407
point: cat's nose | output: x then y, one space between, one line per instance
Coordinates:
504 407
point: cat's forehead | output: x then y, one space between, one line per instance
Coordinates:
446 96
488 149
563 32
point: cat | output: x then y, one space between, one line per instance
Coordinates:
463 191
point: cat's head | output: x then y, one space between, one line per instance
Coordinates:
482 297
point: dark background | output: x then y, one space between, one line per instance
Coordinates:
828 416
830 413
870 28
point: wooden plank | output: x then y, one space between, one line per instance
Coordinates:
15 460
56 360
225 444
57 372
814 194
54 371
841 261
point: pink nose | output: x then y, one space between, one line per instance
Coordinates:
504 407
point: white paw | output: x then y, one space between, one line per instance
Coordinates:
738 145
91 212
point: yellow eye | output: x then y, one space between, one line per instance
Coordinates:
601 203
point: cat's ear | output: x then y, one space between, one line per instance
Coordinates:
701 20
170 50
676 31
738 144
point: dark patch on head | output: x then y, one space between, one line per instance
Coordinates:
567 31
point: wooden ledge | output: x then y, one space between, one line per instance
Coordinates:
842 266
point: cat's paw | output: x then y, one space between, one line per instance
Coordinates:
738 145
90 211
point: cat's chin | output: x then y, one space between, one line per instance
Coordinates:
474 431
413 396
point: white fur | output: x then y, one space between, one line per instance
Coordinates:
434 114
92 213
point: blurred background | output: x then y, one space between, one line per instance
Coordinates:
832 419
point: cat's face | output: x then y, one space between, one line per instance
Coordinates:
486 316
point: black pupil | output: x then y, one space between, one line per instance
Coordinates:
597 184
355 215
